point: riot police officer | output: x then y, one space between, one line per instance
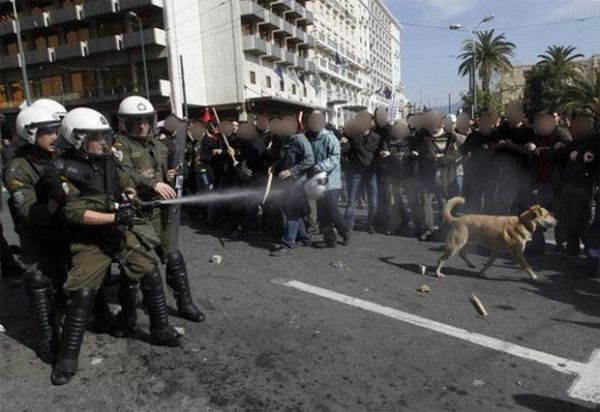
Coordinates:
101 233
146 160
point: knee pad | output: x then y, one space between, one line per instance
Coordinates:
151 279
83 297
35 279
175 261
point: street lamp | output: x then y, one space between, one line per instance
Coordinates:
474 68
139 19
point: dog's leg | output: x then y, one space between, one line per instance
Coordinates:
447 255
520 259
488 264
464 257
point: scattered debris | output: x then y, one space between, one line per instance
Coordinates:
2 328
424 289
478 382
180 330
519 383
97 360
336 264
422 269
478 305
216 259
114 309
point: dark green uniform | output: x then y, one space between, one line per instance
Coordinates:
44 249
93 184
146 161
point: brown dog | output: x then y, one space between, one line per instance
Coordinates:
499 234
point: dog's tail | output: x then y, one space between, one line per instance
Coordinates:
449 206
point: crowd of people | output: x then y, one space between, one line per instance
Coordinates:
77 191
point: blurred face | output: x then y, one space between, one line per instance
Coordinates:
262 123
433 121
316 122
514 112
275 126
582 126
139 125
544 124
381 117
400 130
289 126
45 138
247 131
463 123
225 128
97 144
449 124
486 125
363 122
236 126
197 131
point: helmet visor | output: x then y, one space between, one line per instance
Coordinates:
139 126
94 142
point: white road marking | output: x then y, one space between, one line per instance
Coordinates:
587 383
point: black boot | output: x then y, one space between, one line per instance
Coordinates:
73 329
103 319
127 318
177 280
156 305
42 310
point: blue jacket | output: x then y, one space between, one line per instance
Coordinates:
326 148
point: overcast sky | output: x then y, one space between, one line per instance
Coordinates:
428 57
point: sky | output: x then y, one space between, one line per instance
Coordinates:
429 64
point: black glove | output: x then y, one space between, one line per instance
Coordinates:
126 216
50 179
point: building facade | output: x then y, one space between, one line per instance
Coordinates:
237 55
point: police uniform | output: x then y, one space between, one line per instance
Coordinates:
146 161
44 250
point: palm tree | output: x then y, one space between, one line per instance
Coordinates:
584 93
492 53
563 59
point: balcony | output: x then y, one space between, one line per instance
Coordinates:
301 63
137 4
272 21
100 7
8 27
255 45
285 29
39 56
285 5
296 10
35 21
252 12
311 67
334 97
66 14
10 62
152 36
289 58
310 41
106 44
307 16
274 53
69 51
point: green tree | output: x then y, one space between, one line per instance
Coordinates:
492 53
543 89
563 59
486 101
583 93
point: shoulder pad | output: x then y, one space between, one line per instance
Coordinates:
58 163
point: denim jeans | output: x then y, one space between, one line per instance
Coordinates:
355 179
295 229
330 217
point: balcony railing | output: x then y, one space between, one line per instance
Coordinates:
66 14
10 62
35 21
100 7
8 27
106 44
152 36
40 56
134 4
255 45
69 51
252 12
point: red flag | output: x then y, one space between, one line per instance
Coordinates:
207 117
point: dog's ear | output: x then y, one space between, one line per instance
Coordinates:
527 218
537 209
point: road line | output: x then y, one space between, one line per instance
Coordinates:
586 386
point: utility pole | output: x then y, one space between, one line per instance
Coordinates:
186 113
22 53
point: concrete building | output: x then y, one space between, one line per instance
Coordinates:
237 55
512 84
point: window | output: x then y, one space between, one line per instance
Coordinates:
51 86
247 29
305 92
282 86
268 81
293 89
252 77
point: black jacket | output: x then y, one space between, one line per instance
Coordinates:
361 150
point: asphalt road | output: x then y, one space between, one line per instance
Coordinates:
265 346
